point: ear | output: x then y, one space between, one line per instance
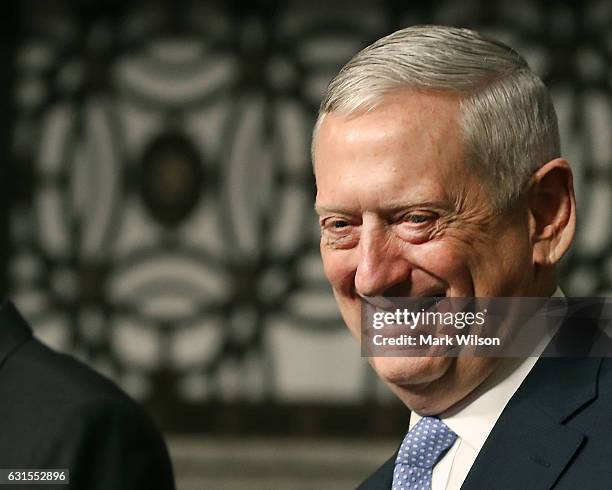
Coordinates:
552 212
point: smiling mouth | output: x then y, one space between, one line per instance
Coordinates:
416 303
384 302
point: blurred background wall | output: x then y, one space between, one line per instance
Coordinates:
158 209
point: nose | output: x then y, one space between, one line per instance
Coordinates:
381 270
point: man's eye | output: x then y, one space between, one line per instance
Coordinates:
340 224
339 233
333 224
418 218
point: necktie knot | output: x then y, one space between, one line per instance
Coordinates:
421 449
425 443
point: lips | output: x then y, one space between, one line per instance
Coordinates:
390 303
413 303
397 327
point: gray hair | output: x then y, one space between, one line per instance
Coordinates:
506 113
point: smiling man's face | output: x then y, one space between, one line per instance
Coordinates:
403 214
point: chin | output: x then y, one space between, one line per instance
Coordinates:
411 373
417 381
432 385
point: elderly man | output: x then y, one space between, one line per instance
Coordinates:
439 173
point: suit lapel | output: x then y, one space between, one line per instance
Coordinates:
530 446
382 478
13 330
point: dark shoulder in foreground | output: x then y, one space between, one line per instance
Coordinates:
35 373
56 412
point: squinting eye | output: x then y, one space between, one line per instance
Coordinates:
339 233
335 225
418 218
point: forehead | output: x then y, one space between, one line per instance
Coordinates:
410 120
409 140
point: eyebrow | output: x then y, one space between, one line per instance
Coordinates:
332 209
389 209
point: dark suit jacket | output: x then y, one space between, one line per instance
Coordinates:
57 413
555 432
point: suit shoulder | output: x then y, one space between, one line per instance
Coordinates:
35 373
56 412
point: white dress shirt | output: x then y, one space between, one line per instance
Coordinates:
474 421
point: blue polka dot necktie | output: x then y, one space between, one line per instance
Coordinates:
421 449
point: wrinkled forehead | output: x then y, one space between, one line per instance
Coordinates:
405 125
409 149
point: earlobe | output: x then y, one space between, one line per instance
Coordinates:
552 207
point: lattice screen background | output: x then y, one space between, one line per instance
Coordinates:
161 225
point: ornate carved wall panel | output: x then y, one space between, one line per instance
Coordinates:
162 225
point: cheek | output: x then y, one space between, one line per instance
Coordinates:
338 269
509 264
515 251
447 261
501 267
340 275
